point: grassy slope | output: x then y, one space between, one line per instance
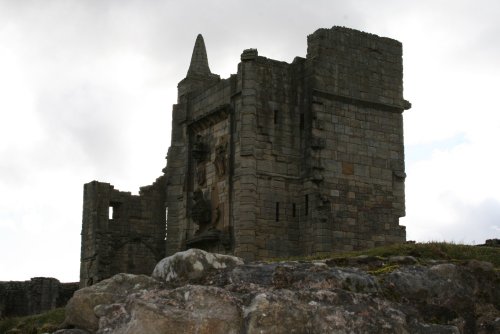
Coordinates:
440 251
49 321
423 251
35 324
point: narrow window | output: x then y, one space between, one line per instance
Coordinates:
276 117
166 222
277 211
293 209
301 121
306 205
114 210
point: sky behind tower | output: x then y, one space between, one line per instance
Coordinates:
87 87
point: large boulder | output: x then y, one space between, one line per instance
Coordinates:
199 292
448 292
192 264
80 308
330 311
187 309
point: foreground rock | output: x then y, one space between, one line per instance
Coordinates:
192 264
292 297
80 310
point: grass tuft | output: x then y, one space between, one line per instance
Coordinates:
424 251
34 324
384 270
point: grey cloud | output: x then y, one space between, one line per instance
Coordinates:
476 223
89 126
86 117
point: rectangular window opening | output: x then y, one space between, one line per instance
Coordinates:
277 211
276 117
114 210
293 209
301 121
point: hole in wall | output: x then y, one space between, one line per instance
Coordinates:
277 211
306 205
114 210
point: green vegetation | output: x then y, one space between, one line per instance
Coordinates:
422 251
440 251
34 324
384 270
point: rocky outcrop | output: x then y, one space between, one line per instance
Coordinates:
82 311
397 295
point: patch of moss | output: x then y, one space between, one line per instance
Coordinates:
384 270
33 324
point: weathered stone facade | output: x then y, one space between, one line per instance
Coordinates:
121 232
277 160
40 294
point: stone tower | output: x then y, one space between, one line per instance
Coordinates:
277 160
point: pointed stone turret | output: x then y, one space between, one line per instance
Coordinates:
199 60
198 76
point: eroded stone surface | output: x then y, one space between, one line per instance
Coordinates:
39 294
192 264
294 297
80 309
188 309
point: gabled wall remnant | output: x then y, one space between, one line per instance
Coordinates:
277 160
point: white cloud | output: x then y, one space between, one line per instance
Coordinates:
446 194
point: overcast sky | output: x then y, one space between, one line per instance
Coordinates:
87 87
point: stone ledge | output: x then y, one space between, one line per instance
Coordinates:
405 105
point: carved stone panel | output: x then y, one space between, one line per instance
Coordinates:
200 150
200 211
220 161
201 174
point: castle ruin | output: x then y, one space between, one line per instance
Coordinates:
277 160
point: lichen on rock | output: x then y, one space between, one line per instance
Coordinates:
192 264
200 292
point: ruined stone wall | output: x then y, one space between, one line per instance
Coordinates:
277 160
277 154
356 65
177 162
209 100
121 232
356 151
209 174
321 145
198 159
40 294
